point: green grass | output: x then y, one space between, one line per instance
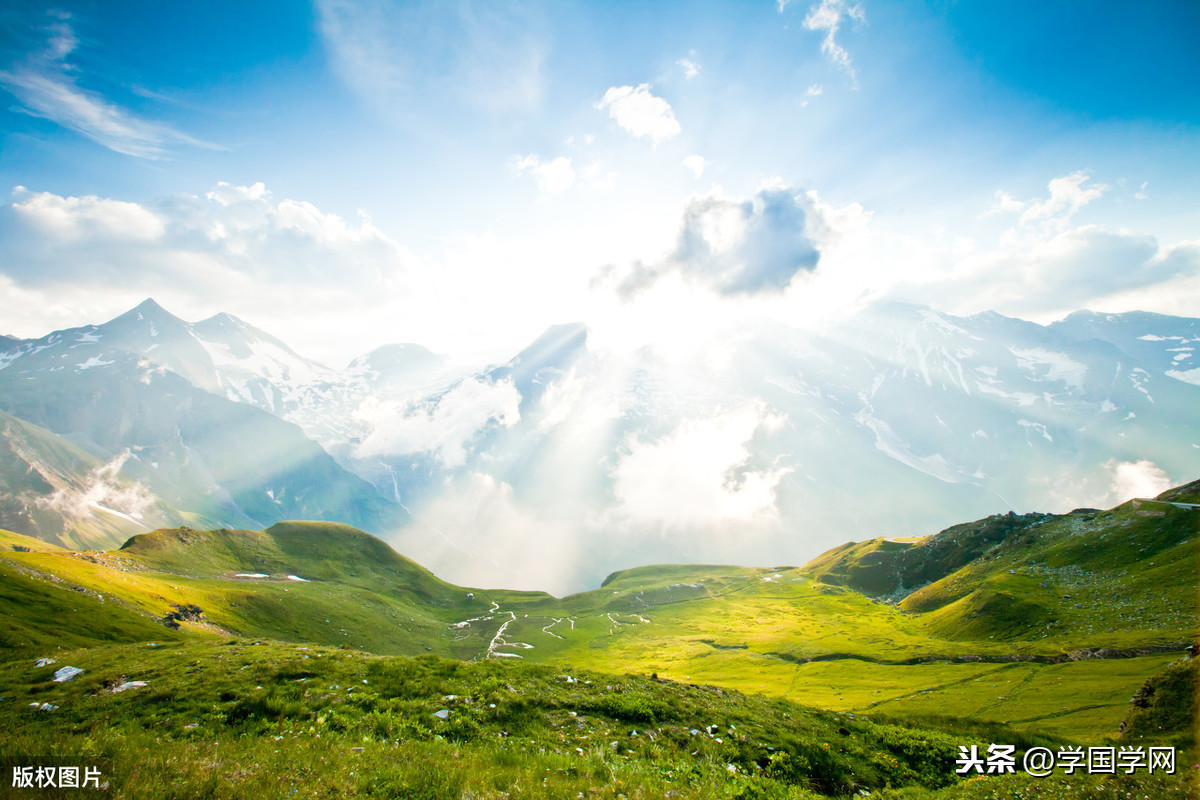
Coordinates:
244 719
15 541
999 643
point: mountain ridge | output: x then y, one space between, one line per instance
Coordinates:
945 417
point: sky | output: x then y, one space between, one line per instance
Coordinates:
464 174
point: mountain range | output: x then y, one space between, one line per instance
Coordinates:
572 460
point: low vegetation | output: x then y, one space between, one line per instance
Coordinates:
256 719
311 660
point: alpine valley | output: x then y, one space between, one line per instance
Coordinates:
206 527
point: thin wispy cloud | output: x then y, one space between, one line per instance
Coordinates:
45 83
828 17
401 56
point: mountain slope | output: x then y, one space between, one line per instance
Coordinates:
208 459
1049 604
50 487
763 442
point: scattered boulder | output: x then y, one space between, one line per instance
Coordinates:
44 662
66 674
187 612
127 685
443 714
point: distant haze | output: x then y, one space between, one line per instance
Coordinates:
571 459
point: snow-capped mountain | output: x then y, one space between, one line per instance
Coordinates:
175 408
766 445
1165 345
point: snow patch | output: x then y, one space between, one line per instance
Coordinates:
1022 398
891 445
936 320
94 361
297 578
1050 366
121 514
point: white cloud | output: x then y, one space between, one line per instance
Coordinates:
690 68
696 164
102 489
444 426
73 218
828 17
1068 194
1058 272
640 113
283 264
552 177
46 86
477 532
815 90
232 231
737 246
1043 265
1142 478
699 474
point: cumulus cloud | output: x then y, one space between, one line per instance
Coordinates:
444 426
552 176
88 217
46 85
690 68
1041 262
286 264
1062 271
699 474
738 246
696 164
640 113
230 235
827 17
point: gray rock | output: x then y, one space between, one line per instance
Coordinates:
66 674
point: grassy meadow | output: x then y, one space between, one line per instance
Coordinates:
311 660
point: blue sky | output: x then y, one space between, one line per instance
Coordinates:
464 174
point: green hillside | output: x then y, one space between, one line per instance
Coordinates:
1025 627
50 484
250 719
